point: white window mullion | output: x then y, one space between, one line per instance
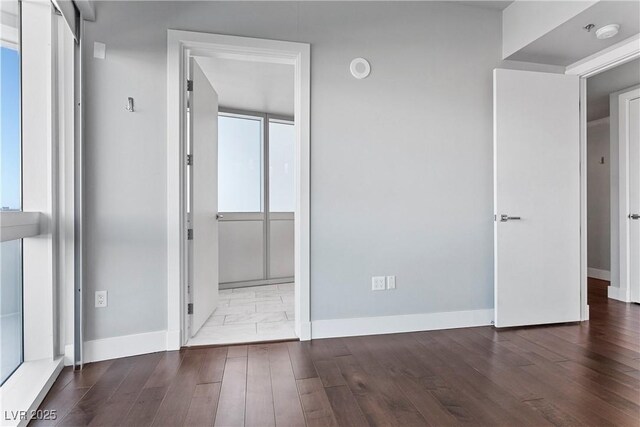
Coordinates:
37 146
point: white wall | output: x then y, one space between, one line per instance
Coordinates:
598 195
401 179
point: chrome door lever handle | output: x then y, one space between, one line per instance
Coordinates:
219 216
634 216
505 218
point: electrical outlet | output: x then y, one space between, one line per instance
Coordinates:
101 298
391 282
378 283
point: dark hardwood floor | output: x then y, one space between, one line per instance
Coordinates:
565 375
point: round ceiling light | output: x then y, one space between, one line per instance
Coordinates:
607 31
360 68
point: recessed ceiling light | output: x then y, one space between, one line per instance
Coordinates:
607 31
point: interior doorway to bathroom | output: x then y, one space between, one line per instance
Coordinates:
245 138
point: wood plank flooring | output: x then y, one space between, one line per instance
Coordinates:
563 375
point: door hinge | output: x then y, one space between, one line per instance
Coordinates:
189 85
189 159
190 308
190 234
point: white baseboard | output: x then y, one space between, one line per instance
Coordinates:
617 293
596 273
124 346
401 323
305 331
173 340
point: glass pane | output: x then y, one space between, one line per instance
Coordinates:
239 164
10 174
282 184
10 307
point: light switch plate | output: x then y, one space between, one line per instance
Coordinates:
378 283
99 50
391 282
101 298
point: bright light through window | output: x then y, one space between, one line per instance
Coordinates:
10 125
282 182
11 324
239 164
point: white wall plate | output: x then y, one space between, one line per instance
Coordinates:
360 68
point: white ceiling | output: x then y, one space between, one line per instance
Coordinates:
251 86
570 42
601 85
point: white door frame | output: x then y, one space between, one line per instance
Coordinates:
613 56
180 46
623 193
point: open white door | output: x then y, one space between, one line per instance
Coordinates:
634 198
204 204
536 198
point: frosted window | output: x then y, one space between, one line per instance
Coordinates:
240 164
281 167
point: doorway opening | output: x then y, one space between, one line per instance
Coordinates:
256 203
613 183
239 190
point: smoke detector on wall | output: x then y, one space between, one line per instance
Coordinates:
607 31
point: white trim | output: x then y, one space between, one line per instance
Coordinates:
596 273
401 323
181 44
624 51
18 225
124 346
584 261
39 183
623 190
68 354
617 293
608 58
26 388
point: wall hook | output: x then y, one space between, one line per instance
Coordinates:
129 106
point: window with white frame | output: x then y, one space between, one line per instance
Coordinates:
11 322
36 199
282 184
243 139
240 159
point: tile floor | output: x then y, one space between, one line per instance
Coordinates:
258 313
